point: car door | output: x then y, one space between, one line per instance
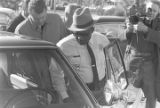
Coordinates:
114 30
41 77
116 69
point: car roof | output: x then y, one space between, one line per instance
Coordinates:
7 11
118 21
11 40
109 19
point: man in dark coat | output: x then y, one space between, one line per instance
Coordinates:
42 24
21 16
141 53
154 37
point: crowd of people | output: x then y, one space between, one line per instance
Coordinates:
86 49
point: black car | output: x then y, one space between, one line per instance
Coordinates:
31 71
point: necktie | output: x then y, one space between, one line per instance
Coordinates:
94 67
40 29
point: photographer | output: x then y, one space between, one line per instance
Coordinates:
141 53
138 8
154 37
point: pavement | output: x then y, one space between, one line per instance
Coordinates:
135 97
122 104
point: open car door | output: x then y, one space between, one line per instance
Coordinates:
117 80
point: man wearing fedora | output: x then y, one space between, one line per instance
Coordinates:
85 49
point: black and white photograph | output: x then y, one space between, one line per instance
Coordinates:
79 53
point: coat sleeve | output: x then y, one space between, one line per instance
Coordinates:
63 29
153 36
99 39
57 75
20 29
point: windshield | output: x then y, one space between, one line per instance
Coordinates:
42 69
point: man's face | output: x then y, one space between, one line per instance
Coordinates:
152 10
83 37
39 19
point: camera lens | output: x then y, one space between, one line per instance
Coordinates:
133 19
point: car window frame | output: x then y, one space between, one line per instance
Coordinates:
85 91
102 21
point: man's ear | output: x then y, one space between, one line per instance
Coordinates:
92 29
76 37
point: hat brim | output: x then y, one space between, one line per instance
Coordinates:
73 28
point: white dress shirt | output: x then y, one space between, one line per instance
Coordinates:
80 58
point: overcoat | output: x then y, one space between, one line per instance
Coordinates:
153 35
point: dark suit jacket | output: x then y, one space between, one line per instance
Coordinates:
154 36
17 20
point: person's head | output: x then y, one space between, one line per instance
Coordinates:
139 2
69 11
152 8
82 25
38 11
83 37
25 7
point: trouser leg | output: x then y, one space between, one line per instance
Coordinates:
148 86
150 96
100 97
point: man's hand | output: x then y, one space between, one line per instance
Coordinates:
67 100
142 27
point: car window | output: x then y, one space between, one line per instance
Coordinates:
113 30
4 21
4 18
115 65
35 72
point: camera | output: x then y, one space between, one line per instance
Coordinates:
137 13
134 19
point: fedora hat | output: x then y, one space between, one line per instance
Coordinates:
82 20
69 11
